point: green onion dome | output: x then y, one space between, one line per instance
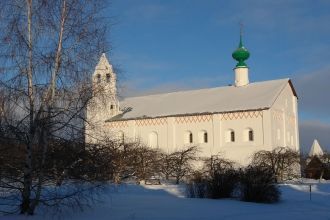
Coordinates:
241 54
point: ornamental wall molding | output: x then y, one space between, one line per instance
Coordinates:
117 124
151 122
193 119
241 115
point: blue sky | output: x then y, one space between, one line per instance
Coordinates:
162 46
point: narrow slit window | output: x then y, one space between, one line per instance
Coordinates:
190 138
205 137
232 136
251 137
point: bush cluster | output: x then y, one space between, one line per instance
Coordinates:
222 180
257 184
223 183
197 186
136 160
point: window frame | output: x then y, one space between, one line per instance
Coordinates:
191 138
205 137
232 136
250 135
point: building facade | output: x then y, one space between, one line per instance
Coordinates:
233 121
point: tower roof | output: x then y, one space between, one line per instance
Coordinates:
103 63
316 149
241 54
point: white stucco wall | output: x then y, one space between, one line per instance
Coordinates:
171 133
285 120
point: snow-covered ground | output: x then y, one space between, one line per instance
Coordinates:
168 202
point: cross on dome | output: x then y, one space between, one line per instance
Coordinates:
241 53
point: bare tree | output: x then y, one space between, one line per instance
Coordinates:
130 159
122 158
222 178
217 163
146 162
167 165
48 49
284 162
182 162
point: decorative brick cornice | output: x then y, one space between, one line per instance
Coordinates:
151 122
193 119
241 115
117 124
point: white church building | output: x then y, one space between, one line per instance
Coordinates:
233 121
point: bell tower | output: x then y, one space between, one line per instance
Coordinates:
105 103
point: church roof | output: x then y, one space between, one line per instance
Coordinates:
254 96
316 149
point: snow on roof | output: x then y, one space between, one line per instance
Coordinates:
254 96
316 149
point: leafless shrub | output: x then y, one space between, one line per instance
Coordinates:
218 180
257 184
132 159
146 162
197 186
74 174
223 178
283 162
167 165
182 162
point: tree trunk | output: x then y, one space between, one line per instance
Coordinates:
26 193
47 117
177 180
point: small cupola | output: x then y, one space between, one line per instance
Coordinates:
241 54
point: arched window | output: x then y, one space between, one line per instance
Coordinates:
188 137
191 138
153 139
205 137
108 77
98 78
230 136
202 136
248 134
121 137
251 135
